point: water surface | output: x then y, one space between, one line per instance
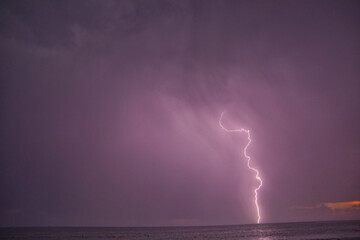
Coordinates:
303 231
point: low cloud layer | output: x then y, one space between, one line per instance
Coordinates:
338 207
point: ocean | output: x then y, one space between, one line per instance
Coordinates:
303 231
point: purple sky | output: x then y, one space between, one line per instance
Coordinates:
110 109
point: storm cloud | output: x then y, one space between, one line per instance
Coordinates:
110 110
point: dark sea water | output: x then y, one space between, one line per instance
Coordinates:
308 230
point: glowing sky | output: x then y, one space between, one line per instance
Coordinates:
110 110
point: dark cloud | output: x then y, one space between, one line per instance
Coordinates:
109 110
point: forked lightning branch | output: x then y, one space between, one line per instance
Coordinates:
257 176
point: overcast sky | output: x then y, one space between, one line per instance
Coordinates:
110 110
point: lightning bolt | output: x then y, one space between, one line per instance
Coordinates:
257 176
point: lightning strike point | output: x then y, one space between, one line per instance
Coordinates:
257 176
